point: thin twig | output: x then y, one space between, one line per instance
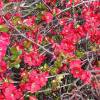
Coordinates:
75 6
22 34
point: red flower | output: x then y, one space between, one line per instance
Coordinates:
29 21
75 63
33 76
95 85
32 98
86 77
56 11
8 92
96 69
47 17
39 78
40 38
4 38
2 97
1 20
8 15
11 92
1 4
36 81
62 21
2 51
3 67
33 58
35 87
4 42
67 46
76 72
43 79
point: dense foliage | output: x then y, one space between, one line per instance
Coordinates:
49 49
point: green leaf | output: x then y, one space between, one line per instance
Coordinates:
14 57
53 70
38 19
19 52
15 63
15 20
67 0
17 66
3 28
13 50
6 58
79 54
41 6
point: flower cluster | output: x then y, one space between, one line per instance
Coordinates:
35 81
10 92
33 59
78 72
4 42
40 40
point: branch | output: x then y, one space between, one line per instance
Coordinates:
83 2
22 34
27 6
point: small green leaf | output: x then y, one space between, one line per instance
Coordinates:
20 52
40 6
13 50
16 20
17 66
15 63
3 28
53 70
14 57
67 0
79 54
6 58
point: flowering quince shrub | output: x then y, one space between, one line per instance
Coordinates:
49 49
